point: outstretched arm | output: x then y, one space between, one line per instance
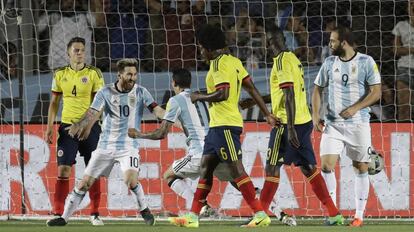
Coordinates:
249 102
219 95
157 134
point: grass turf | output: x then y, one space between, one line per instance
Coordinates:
205 226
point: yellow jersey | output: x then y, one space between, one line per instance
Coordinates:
77 89
288 71
226 71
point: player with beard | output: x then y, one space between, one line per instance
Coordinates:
122 104
353 84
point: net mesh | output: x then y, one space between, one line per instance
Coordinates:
161 35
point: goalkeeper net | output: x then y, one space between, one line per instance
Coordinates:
161 35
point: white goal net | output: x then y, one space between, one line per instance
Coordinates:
160 34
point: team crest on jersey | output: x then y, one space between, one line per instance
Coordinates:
115 99
132 100
84 80
60 153
353 69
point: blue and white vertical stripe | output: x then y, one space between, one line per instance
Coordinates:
347 83
121 111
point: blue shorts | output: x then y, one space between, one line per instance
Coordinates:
281 152
224 141
68 147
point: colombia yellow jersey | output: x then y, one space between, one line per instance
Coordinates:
77 89
288 71
226 71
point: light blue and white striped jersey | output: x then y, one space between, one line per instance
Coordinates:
347 82
120 112
192 120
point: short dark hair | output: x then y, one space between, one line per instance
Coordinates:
345 34
126 62
211 37
276 35
182 78
75 40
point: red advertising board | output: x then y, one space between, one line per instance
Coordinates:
391 192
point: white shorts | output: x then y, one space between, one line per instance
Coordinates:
102 161
189 167
354 137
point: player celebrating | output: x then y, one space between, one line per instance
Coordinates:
122 104
180 108
222 143
291 143
77 83
353 83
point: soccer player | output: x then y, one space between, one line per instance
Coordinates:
224 82
77 84
122 104
180 108
353 84
291 143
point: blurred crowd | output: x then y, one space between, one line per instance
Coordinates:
161 35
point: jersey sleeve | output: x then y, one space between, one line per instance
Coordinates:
220 76
373 76
243 73
56 88
172 111
148 100
283 70
322 77
98 102
99 81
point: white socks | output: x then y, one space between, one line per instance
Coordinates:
182 189
361 194
75 198
330 181
139 193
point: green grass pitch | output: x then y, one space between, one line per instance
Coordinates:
205 226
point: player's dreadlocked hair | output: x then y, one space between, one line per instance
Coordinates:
211 37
